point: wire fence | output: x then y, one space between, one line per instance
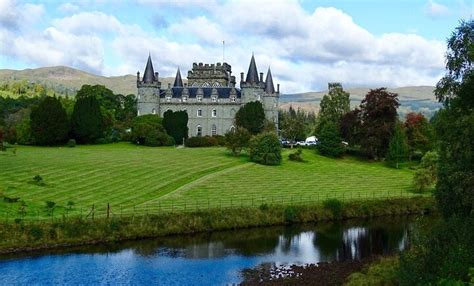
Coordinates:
168 205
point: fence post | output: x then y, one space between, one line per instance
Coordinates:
93 211
108 210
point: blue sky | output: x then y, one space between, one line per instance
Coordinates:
306 43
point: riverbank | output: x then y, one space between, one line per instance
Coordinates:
30 236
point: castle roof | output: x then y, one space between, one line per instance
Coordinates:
269 87
149 75
222 92
178 81
252 74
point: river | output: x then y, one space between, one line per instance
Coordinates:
208 258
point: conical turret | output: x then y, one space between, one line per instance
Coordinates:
269 87
252 74
178 81
149 75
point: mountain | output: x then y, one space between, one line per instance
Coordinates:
69 80
412 98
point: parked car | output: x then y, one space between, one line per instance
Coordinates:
310 141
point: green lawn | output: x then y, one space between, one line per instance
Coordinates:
133 178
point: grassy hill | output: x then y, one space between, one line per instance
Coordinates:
412 98
138 179
70 80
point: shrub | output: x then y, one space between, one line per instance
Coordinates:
296 156
335 206
10 200
220 140
204 141
263 207
237 139
426 175
50 204
291 214
445 252
176 125
265 149
38 180
49 122
70 205
71 143
382 272
148 130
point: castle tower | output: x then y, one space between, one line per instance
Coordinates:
253 87
148 101
271 99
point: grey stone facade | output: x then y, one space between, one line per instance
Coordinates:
210 98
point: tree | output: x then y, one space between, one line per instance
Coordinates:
426 175
350 126
397 149
87 121
330 141
265 149
176 125
1 139
293 124
148 130
236 139
333 106
455 187
419 134
378 116
251 116
49 123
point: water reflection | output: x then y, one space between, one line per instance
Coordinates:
220 255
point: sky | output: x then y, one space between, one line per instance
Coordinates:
306 44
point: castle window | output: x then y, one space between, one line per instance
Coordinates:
153 111
214 98
214 113
199 131
232 98
199 113
199 98
232 128
138 112
185 99
168 98
214 130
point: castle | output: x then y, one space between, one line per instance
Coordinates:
210 97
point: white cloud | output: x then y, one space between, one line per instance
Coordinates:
69 8
436 10
305 50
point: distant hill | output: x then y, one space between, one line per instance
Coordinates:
66 80
412 98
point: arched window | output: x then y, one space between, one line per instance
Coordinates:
232 113
232 128
213 130
214 113
138 112
153 111
199 131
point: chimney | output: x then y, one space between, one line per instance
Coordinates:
261 77
156 76
242 76
169 85
278 88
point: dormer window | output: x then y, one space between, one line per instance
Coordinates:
184 99
199 98
232 99
214 99
168 99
